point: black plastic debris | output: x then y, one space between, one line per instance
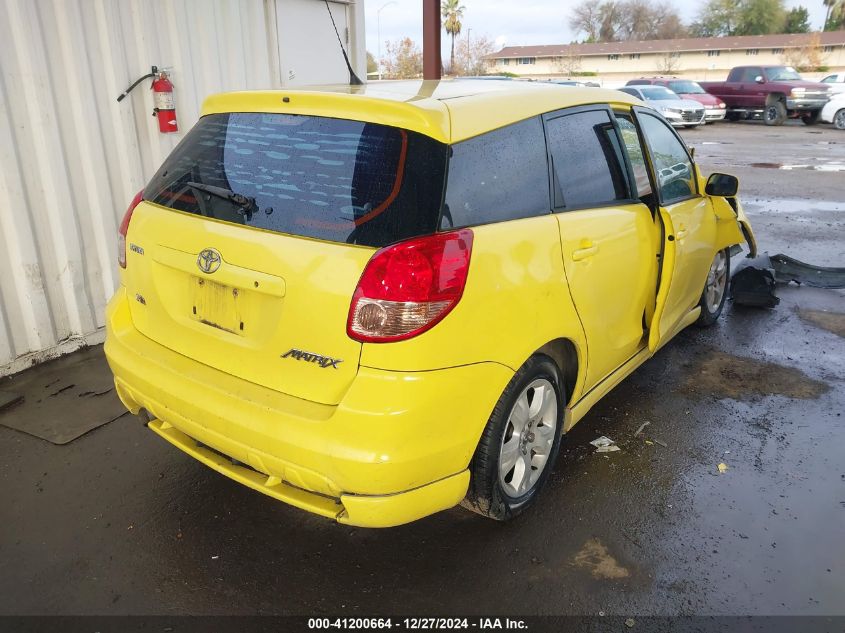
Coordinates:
753 283
754 287
787 269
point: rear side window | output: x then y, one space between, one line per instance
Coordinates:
331 179
498 176
588 168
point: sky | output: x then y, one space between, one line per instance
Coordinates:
506 22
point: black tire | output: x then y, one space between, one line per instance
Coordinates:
811 118
710 312
733 116
487 495
839 119
775 113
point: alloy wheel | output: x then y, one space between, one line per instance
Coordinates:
528 438
717 279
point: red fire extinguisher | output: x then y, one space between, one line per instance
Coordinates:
164 105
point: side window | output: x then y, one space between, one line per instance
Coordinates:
502 175
829 79
672 164
751 73
588 167
631 139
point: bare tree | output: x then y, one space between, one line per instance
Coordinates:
585 18
805 58
569 64
471 55
668 64
619 20
403 59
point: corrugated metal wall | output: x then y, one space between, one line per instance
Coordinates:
71 157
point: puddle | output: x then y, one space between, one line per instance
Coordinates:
596 558
830 321
738 377
826 167
786 205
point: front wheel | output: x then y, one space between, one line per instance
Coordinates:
519 445
775 113
715 289
839 119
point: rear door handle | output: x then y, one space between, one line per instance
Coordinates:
680 233
584 253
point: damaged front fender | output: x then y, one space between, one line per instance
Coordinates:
732 225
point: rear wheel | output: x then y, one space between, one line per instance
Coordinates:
811 118
775 113
715 289
732 116
519 445
839 119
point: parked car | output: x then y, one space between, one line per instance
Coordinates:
835 83
375 302
834 111
714 107
679 112
773 93
575 83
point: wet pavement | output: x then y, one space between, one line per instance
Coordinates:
120 522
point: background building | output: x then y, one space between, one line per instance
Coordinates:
71 157
702 58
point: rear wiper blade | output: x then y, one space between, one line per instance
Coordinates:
246 204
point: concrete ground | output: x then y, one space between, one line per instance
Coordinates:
120 522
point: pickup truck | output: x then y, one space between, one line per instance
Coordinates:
773 93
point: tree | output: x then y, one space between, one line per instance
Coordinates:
669 64
372 66
806 58
569 64
834 18
403 59
619 20
761 17
452 12
740 17
716 18
797 21
471 56
585 19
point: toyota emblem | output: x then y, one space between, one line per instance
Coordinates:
208 261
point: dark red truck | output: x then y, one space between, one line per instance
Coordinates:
773 93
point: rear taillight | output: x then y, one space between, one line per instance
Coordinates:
124 227
408 287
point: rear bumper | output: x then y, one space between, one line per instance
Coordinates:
395 449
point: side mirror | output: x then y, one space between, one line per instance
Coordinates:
759 79
722 185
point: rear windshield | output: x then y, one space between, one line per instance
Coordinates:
686 88
658 93
331 179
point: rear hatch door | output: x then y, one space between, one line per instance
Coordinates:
253 234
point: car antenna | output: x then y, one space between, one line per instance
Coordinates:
353 78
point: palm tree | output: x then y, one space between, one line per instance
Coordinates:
835 13
452 12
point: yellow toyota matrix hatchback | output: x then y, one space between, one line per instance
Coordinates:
374 303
